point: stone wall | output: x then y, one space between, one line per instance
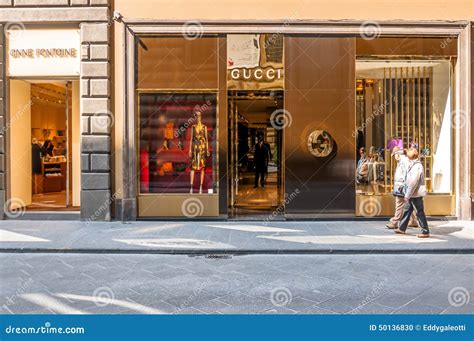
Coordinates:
2 120
93 19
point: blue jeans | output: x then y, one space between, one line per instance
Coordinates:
417 204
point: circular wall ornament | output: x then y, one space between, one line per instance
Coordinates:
321 144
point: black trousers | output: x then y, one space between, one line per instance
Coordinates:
260 173
417 204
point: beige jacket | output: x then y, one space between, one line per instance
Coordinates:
414 180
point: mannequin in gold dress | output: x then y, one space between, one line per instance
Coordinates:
198 150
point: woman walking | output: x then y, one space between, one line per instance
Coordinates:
415 190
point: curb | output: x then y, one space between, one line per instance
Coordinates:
241 252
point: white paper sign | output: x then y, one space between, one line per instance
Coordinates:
43 53
243 50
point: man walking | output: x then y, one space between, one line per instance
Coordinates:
415 190
399 188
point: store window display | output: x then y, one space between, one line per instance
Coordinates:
177 140
199 150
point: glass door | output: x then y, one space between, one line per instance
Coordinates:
255 149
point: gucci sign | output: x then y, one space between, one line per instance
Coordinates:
321 144
257 74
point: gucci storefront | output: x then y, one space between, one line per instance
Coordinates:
284 125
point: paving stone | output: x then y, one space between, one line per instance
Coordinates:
315 295
210 307
395 298
134 283
372 308
464 309
342 303
417 308
367 288
279 310
194 299
313 310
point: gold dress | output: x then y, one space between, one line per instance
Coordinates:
199 148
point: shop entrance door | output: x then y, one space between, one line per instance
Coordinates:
255 154
44 163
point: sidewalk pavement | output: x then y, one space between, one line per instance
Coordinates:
204 237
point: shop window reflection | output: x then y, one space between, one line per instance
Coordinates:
404 104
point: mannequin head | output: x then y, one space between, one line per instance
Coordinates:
198 116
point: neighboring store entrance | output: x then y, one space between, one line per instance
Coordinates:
255 153
44 145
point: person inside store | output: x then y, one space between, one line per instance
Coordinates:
36 151
59 150
362 168
375 166
414 191
375 155
262 155
400 157
48 148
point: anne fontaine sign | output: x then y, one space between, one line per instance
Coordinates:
43 53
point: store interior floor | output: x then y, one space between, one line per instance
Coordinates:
260 197
50 201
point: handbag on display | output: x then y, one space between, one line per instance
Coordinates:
167 167
179 166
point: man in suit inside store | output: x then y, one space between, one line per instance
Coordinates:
262 156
